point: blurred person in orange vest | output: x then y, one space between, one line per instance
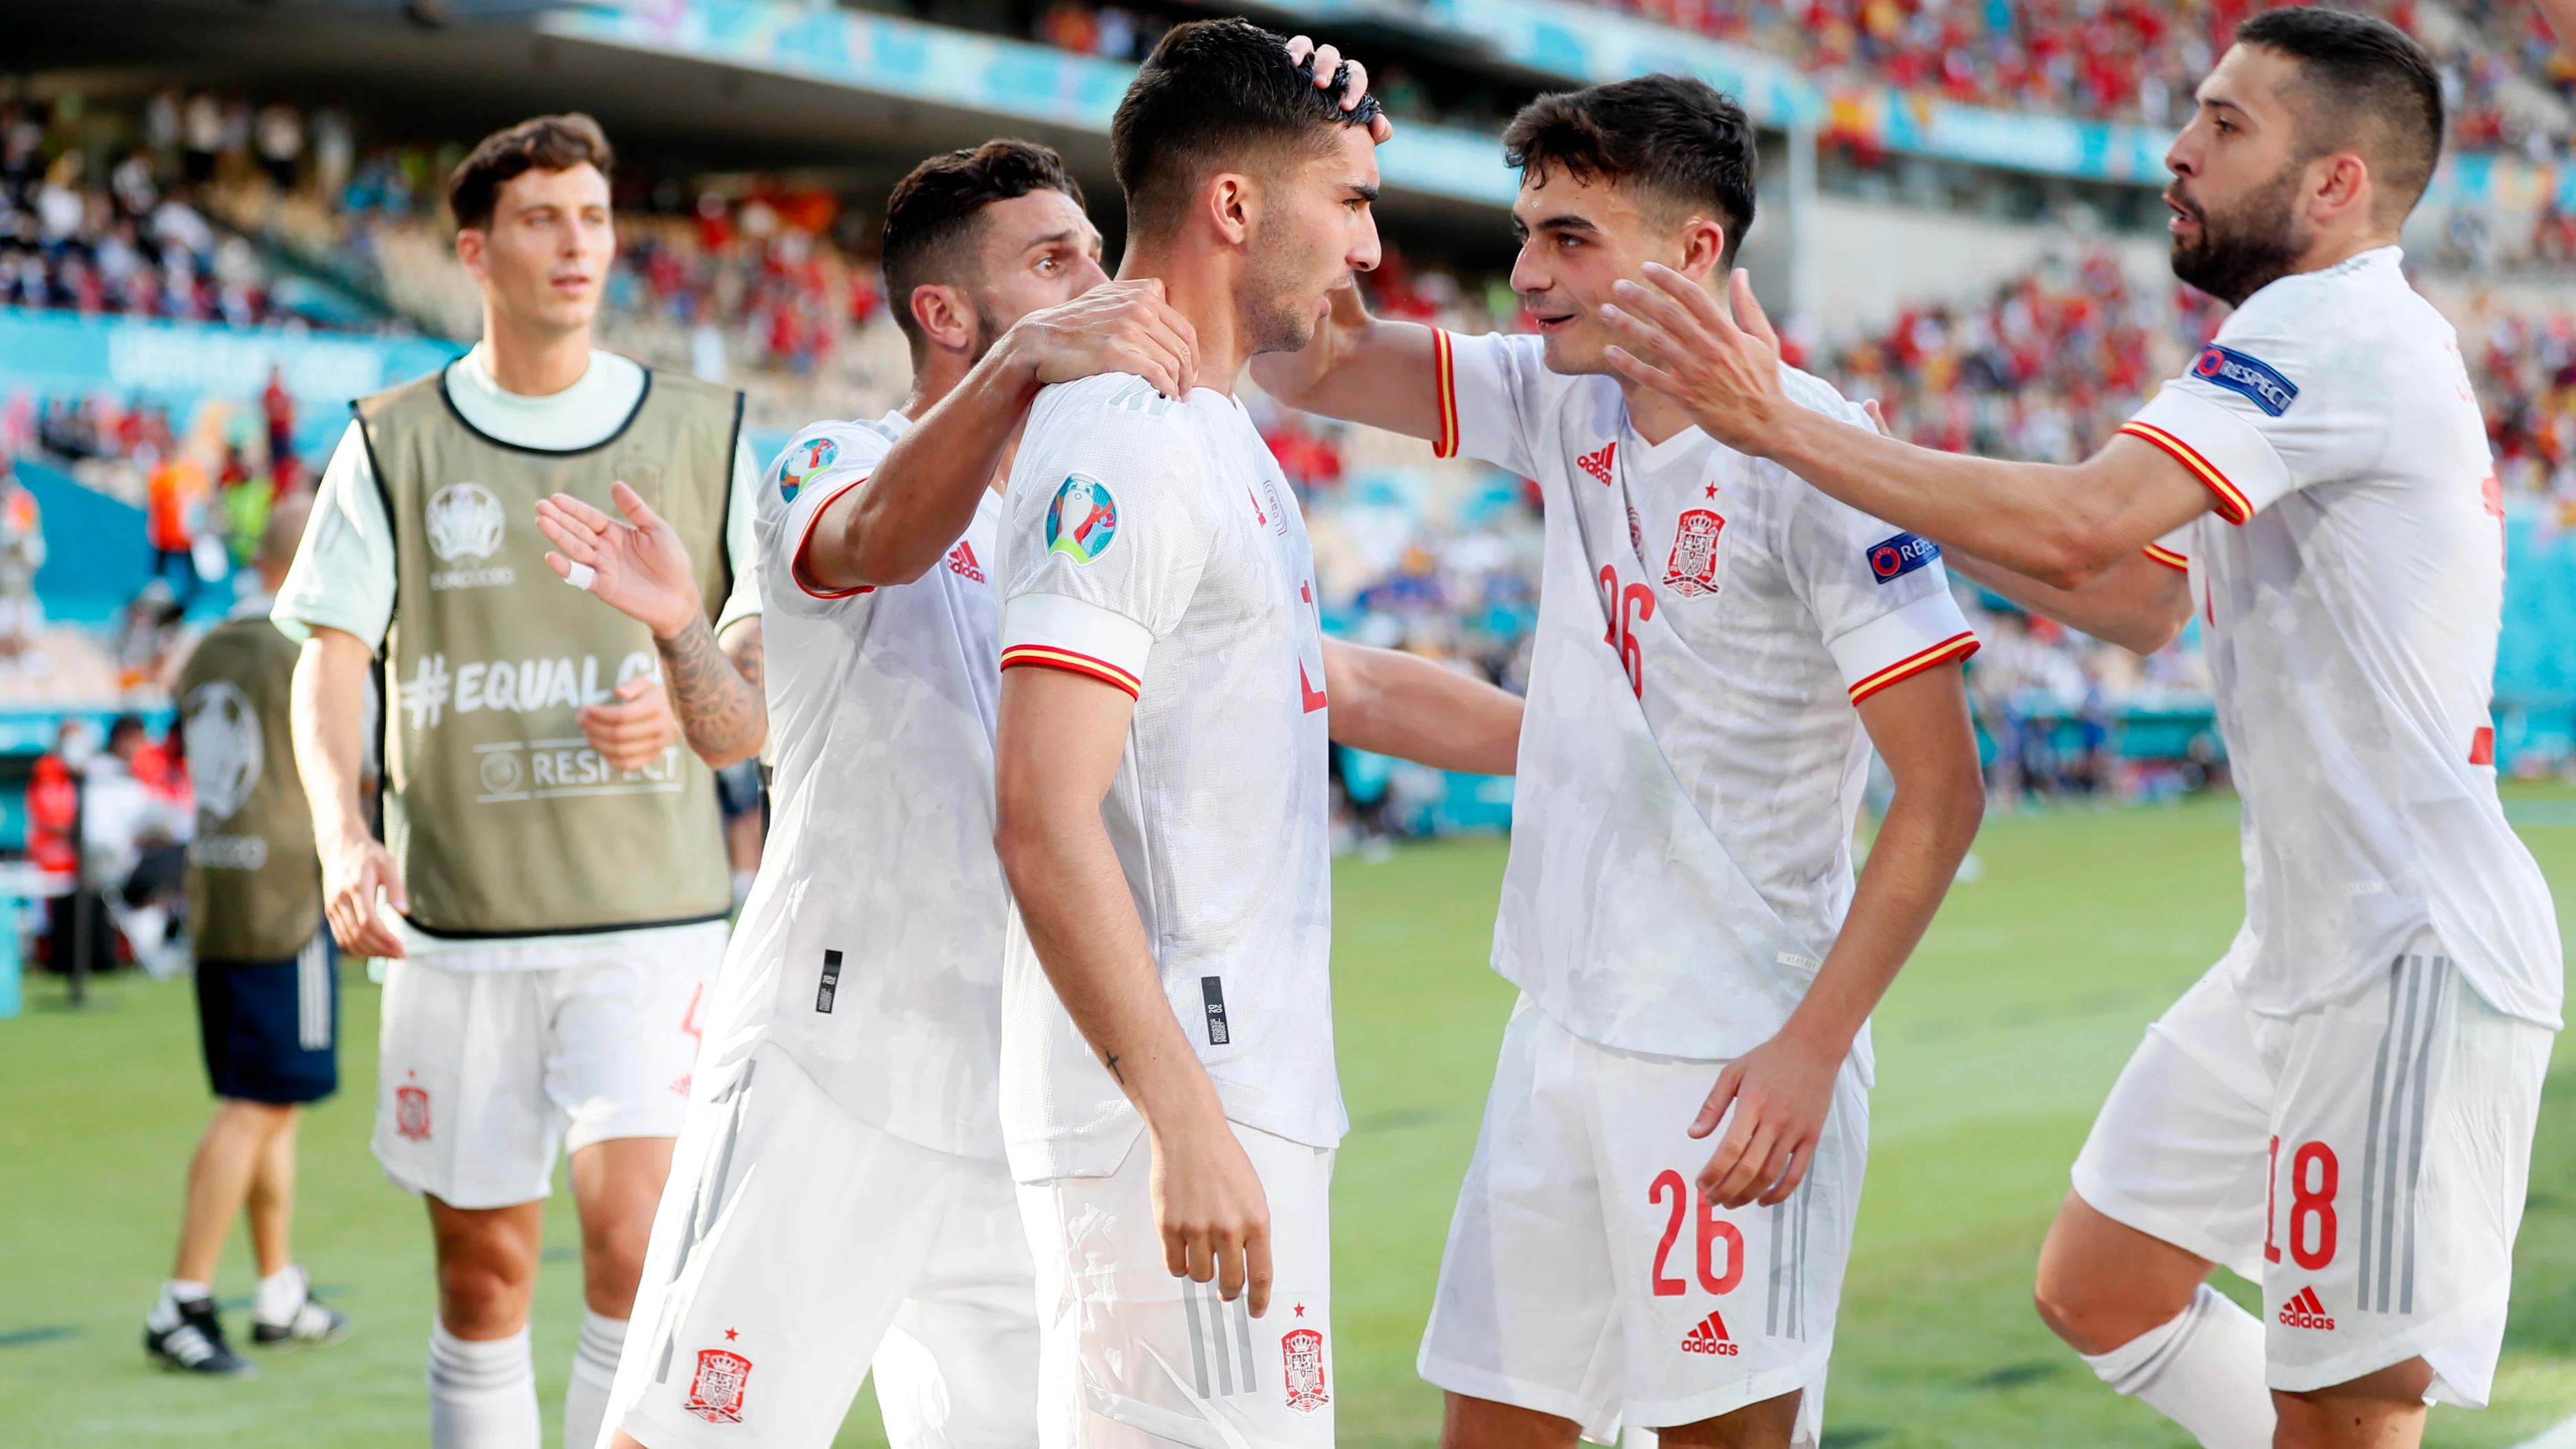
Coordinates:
174 514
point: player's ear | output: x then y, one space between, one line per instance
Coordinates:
470 244
1703 248
946 317
1231 203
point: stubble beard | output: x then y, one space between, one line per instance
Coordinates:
2248 247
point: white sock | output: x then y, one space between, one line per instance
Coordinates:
280 1294
165 1313
2204 1371
594 1373
482 1395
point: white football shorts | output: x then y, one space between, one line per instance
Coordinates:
1586 1278
2364 1161
1134 1358
485 1075
797 1249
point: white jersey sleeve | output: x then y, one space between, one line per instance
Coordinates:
820 464
1489 394
2174 549
1108 534
2273 405
343 574
1880 596
741 538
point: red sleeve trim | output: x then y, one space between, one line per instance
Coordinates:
1047 656
1958 646
1444 372
2233 505
2168 557
805 540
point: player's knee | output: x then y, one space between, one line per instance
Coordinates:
2073 1313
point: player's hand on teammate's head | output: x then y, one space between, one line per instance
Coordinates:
1328 64
638 567
1115 327
1719 360
351 880
636 728
1780 1092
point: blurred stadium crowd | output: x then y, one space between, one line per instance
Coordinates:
254 211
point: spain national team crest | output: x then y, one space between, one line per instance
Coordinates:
411 1113
1304 1352
1082 519
715 1395
1692 570
803 461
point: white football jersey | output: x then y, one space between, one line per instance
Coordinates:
871 947
2351 585
1691 762
1153 543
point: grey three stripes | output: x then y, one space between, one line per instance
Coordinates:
2392 1156
1786 1314
1221 1339
704 1207
313 996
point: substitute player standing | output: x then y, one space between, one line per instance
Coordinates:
267 1002
1719 646
2343 1107
1170 1106
838 1203
552 854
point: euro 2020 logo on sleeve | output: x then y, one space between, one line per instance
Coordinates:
225 748
1081 519
465 521
803 460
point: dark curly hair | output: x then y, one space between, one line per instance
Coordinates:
541 143
1680 141
1217 93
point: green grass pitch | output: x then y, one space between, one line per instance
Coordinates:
1994 1049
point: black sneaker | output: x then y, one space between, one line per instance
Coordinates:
196 1344
311 1323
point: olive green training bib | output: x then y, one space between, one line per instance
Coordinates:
254 885
505 821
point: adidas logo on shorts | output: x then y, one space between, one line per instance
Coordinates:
2304 1310
1709 1337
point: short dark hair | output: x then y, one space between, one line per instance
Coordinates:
540 143
935 217
1682 141
2366 80
1212 91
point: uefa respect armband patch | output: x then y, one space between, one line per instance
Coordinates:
1891 559
2249 377
1082 518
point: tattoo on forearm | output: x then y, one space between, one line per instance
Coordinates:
1110 1059
720 705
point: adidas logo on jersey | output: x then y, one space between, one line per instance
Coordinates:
961 560
1709 1337
2305 1311
1598 464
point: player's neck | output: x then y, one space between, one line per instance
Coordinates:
1654 416
1199 286
533 360
2334 250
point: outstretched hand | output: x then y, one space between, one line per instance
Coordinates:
639 568
1328 63
1720 361
1115 327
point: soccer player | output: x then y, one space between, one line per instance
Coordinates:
2342 1109
267 1008
552 852
838 1203
1719 647
1170 1107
